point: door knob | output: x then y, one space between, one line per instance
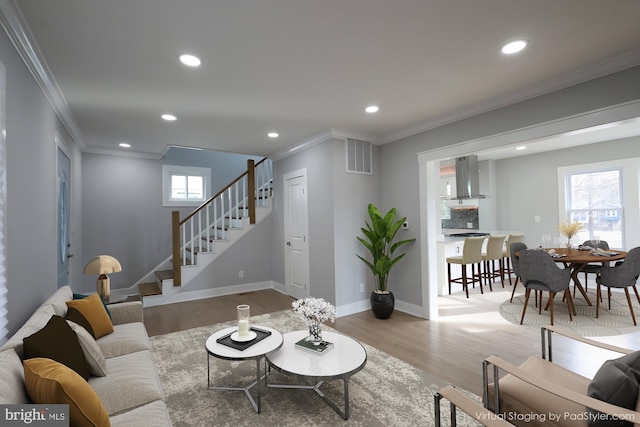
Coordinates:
288 243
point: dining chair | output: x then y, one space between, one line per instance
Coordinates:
515 264
493 253
623 275
539 272
506 254
592 268
471 255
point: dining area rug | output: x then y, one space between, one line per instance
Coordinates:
387 391
616 321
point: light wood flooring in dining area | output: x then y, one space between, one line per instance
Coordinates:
451 348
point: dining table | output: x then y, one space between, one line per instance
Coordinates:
577 260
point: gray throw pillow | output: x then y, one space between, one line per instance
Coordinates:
616 382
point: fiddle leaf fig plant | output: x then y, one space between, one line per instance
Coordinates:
379 236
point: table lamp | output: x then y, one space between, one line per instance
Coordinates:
103 264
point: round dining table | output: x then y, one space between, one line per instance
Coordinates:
577 260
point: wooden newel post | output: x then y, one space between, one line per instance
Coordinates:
251 190
175 243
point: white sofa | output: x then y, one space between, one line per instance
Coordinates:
130 391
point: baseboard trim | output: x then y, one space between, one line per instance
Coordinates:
205 293
341 311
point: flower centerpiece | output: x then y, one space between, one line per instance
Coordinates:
315 311
570 229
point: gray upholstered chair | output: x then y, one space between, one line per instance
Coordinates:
506 254
471 254
515 263
538 271
623 275
592 268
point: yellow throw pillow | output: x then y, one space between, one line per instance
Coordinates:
91 310
50 382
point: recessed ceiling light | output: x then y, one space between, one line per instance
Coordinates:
169 117
520 148
372 109
514 46
273 134
190 60
125 145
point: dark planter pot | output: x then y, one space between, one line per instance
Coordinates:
382 304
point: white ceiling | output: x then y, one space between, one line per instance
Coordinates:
301 67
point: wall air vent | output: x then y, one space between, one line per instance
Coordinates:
359 158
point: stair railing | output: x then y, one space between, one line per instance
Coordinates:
199 230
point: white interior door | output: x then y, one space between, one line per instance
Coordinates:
296 234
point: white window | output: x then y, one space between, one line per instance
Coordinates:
595 200
185 186
605 198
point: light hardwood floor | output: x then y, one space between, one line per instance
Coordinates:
451 348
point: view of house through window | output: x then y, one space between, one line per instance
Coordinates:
594 198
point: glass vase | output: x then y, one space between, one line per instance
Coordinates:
569 243
315 332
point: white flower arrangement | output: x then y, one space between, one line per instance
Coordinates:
315 310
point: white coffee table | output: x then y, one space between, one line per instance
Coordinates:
255 352
346 358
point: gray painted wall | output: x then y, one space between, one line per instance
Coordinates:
337 209
521 199
352 193
318 160
251 254
123 212
31 239
399 184
118 189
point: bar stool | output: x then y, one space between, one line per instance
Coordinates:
494 251
471 254
506 255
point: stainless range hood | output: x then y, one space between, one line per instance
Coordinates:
467 178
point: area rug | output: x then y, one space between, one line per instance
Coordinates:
616 321
386 392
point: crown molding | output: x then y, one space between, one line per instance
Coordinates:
124 153
318 138
18 32
581 75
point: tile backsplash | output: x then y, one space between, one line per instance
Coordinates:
461 217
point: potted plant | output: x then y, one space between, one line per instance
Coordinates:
380 233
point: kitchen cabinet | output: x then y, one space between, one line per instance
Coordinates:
444 250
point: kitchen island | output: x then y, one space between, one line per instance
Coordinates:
450 243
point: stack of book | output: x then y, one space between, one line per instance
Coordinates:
315 348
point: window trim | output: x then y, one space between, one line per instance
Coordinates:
630 192
168 170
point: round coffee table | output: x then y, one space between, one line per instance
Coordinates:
255 352
346 358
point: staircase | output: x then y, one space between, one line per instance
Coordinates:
211 229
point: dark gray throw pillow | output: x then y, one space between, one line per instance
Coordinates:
58 342
616 382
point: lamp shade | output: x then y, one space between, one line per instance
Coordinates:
102 264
